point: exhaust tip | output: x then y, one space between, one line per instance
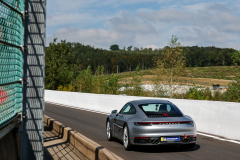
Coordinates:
154 141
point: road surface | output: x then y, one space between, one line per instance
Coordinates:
92 125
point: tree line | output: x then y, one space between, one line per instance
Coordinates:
65 60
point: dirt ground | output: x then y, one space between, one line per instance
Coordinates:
147 79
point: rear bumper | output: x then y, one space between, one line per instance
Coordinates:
157 141
157 131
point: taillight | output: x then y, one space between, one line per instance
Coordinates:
151 123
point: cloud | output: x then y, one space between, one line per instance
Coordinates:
220 21
203 37
95 37
130 23
71 18
153 46
107 22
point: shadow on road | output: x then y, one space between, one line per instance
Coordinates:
161 149
164 149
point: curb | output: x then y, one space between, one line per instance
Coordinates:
86 146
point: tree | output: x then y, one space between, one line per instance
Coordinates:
236 58
114 47
170 64
129 48
136 82
61 66
136 49
233 91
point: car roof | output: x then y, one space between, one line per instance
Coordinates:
145 101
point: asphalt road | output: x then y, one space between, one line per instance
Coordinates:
92 125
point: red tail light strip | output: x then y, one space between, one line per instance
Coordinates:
181 122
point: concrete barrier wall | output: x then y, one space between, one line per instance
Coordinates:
213 117
85 146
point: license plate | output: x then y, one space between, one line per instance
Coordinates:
171 139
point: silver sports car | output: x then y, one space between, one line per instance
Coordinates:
151 122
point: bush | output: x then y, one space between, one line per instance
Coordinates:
195 93
233 92
207 94
111 85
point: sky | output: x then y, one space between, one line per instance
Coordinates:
145 23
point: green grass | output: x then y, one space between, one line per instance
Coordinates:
215 72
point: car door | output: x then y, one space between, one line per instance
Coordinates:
119 119
127 112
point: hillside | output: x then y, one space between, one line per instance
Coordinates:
205 76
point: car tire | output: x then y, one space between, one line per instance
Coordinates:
126 138
188 146
109 131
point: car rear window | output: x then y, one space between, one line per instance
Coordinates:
160 109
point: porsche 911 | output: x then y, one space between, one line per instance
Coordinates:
151 122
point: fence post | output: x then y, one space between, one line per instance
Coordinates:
33 80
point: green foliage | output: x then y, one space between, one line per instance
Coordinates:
137 82
99 83
233 91
207 94
87 81
171 63
61 66
218 96
78 67
236 58
129 48
195 93
134 88
66 59
61 88
111 85
114 47
204 94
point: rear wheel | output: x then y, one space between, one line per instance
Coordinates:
126 139
109 132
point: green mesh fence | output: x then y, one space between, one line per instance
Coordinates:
11 38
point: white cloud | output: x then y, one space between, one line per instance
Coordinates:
130 23
199 24
95 37
71 18
153 46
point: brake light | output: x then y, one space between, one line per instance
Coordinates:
185 136
150 123
165 114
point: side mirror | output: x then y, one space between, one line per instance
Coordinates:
114 112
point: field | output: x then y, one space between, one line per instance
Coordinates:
200 76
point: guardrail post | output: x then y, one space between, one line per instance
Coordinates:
33 80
